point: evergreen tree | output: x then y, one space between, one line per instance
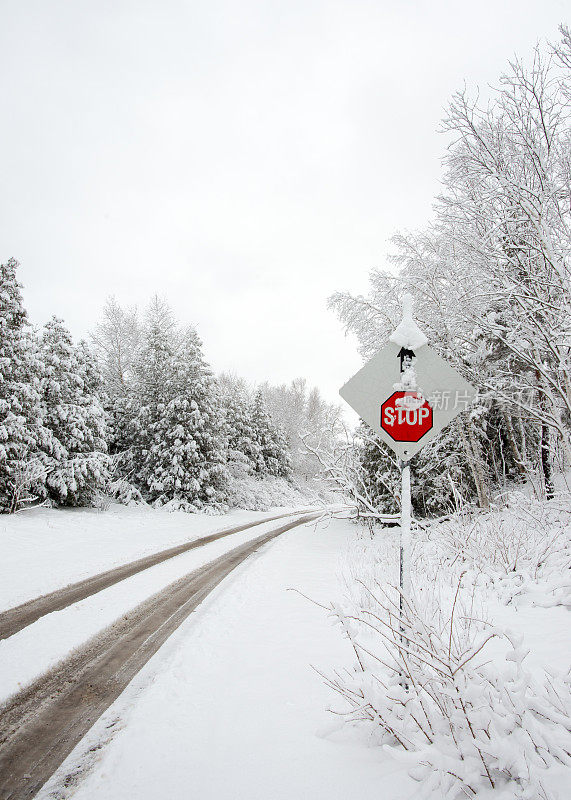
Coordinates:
243 451
139 417
23 437
179 443
73 412
272 456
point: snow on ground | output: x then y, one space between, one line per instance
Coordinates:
230 707
46 549
32 651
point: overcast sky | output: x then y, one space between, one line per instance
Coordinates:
242 159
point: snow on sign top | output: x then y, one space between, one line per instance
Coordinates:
408 334
406 393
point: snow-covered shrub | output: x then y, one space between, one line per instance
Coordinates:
425 686
120 490
522 549
261 494
25 482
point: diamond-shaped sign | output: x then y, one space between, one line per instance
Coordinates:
375 389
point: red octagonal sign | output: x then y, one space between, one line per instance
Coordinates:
406 416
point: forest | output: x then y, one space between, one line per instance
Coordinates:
137 415
491 280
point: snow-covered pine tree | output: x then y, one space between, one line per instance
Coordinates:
243 450
272 452
72 411
179 451
140 416
23 437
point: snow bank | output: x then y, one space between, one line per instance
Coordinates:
261 494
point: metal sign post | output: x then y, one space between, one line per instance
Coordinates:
405 534
408 412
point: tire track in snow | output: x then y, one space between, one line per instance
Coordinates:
40 726
15 619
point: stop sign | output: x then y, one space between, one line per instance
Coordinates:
406 416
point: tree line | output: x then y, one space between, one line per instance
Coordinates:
491 279
136 415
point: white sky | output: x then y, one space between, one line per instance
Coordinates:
243 159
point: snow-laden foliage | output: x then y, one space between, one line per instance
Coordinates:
52 422
263 493
424 682
439 686
117 341
255 444
73 412
177 435
24 439
492 275
522 551
177 450
272 457
306 419
242 448
434 490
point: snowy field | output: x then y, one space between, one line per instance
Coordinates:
231 706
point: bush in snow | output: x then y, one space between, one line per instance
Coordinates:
424 684
263 493
523 551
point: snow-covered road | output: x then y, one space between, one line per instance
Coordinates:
230 706
42 550
38 647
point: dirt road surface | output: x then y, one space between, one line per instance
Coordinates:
42 724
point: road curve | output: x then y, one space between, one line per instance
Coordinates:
41 725
15 619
